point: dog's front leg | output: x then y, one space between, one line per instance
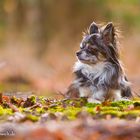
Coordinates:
97 97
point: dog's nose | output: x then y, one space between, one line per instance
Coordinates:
78 53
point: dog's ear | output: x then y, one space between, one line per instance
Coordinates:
93 28
108 33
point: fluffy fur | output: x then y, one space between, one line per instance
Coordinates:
98 71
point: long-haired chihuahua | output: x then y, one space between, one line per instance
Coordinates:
99 75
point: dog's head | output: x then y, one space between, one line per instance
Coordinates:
98 45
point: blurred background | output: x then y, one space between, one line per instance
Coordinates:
38 40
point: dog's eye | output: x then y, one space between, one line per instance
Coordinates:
82 45
86 45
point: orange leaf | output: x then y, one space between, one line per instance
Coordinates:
98 108
6 98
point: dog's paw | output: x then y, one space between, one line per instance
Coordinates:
123 99
92 100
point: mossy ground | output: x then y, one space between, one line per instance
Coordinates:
39 108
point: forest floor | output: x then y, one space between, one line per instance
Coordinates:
39 118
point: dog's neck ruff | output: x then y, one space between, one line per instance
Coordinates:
95 69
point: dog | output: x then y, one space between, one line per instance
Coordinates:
99 74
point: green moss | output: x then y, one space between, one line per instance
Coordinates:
92 105
56 109
90 110
5 111
137 104
42 100
134 112
121 103
71 112
106 108
112 112
1 110
114 108
40 110
71 108
26 110
32 117
33 99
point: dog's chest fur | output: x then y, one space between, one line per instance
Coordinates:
91 72
86 79
94 80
